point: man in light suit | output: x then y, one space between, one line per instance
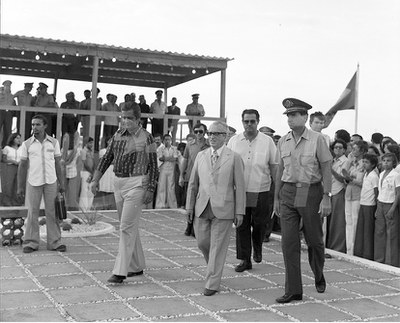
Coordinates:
216 193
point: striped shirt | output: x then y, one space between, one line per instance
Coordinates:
133 155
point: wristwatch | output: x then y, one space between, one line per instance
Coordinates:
328 193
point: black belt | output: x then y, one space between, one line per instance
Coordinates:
127 175
302 184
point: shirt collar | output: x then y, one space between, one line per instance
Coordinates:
126 131
45 138
219 150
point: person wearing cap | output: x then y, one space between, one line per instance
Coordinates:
267 131
43 99
111 122
173 123
216 198
24 98
194 109
259 156
144 108
69 121
302 197
231 132
6 98
160 108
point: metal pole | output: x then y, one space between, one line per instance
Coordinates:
223 93
93 101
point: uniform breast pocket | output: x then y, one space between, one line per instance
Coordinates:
286 158
307 159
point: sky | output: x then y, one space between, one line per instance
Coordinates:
304 49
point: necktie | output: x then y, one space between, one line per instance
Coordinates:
214 158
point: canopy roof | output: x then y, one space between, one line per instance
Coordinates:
60 59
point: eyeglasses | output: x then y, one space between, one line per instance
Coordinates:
198 131
250 121
338 147
215 133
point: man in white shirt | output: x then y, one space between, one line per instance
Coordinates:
258 152
42 153
158 107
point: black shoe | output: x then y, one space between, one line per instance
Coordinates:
266 239
328 256
189 229
321 285
257 256
116 279
209 292
244 265
137 273
287 298
61 248
28 250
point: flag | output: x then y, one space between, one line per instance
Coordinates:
347 100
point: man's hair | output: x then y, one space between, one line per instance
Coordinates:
391 155
198 125
339 141
11 138
362 144
221 124
343 134
317 114
376 150
86 91
372 159
395 149
376 137
40 117
166 135
132 106
357 135
251 111
157 135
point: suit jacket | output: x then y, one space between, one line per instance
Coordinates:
222 185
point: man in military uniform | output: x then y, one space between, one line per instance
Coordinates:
194 109
302 194
24 98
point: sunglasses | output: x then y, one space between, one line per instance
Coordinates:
250 121
215 133
198 131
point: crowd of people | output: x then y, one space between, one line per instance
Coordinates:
341 193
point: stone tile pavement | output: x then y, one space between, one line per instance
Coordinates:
71 286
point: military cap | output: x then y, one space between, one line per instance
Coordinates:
41 84
159 91
231 129
267 130
195 95
295 105
7 83
29 84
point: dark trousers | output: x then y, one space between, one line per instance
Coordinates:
269 211
295 204
157 126
256 219
5 124
97 129
364 241
336 226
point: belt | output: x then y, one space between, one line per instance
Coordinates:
302 184
127 175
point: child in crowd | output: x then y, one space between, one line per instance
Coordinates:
364 241
168 156
336 238
386 246
353 174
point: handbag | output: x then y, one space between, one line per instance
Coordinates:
61 210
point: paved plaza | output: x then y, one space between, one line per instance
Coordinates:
72 286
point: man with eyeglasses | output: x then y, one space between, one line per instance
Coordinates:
217 194
258 152
189 156
302 194
133 151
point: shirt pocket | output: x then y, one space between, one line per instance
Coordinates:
286 158
307 159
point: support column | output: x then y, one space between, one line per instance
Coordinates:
223 93
93 101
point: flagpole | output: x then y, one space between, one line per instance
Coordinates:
356 98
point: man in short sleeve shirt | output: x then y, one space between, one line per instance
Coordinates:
302 195
42 154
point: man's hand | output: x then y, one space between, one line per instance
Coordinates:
180 181
21 193
189 214
148 197
325 206
238 220
277 208
61 189
94 186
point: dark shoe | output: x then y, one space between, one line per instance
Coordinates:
266 239
28 250
257 256
189 229
287 298
61 248
244 265
209 292
328 256
137 273
116 279
321 285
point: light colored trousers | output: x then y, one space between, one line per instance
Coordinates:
86 197
33 197
166 197
351 209
128 194
213 236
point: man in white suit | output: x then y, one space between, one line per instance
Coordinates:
216 193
